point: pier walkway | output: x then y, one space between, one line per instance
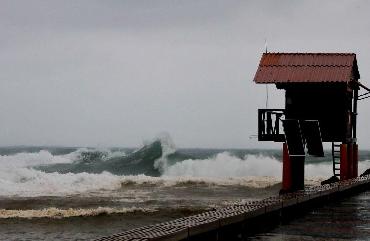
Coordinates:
238 221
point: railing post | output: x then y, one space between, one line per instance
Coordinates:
269 123
261 126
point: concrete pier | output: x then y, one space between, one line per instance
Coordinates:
238 221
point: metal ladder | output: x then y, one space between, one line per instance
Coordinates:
335 153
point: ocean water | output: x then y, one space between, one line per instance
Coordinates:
61 193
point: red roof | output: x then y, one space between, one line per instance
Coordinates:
307 67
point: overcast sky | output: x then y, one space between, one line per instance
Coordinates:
115 73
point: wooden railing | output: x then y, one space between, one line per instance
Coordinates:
270 126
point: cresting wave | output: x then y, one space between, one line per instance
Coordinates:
71 212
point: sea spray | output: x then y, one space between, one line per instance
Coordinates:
168 148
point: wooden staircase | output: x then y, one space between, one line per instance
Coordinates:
335 153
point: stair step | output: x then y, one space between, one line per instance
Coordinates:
336 158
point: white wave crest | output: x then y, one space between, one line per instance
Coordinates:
66 213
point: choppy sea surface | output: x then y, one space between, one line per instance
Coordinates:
62 193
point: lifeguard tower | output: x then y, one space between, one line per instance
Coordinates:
321 94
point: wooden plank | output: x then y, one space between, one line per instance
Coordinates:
293 137
312 134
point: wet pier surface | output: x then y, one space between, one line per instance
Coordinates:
346 219
241 222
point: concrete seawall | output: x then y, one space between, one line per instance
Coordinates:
239 221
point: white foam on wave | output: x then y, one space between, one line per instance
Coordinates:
26 182
196 182
326 169
66 213
29 182
363 166
44 157
169 181
18 178
225 165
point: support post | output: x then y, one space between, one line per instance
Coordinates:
354 113
349 160
355 160
297 163
293 171
287 170
343 162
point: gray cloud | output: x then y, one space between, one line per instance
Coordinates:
117 72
